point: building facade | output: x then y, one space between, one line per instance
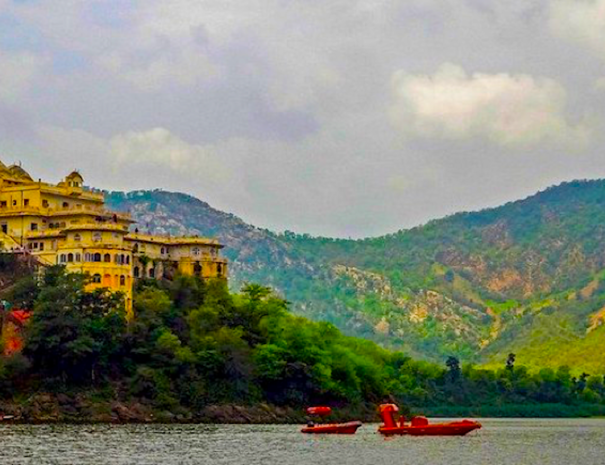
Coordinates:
68 224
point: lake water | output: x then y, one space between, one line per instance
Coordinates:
501 441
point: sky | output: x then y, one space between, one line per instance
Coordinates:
346 118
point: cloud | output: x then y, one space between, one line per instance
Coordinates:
581 21
17 71
160 151
508 110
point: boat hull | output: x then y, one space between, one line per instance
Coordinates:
334 428
456 428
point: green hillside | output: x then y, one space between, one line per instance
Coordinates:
527 277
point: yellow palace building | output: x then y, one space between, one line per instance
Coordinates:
68 224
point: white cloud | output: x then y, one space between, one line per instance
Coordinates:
160 150
509 110
17 71
582 21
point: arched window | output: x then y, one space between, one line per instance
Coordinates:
70 257
162 250
128 259
107 258
78 257
136 272
197 268
77 238
219 269
122 280
87 257
96 257
63 258
65 205
152 272
117 259
96 278
196 251
96 237
135 249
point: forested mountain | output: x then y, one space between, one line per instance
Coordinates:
527 277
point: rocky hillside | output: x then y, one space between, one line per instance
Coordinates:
527 277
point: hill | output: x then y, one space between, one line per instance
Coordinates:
527 277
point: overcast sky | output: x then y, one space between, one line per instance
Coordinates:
333 117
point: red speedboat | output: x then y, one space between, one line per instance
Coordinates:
333 428
329 428
420 426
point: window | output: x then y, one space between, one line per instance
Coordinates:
96 278
196 251
136 272
162 250
78 257
63 258
219 269
4 228
65 205
152 272
41 246
3 204
107 258
77 237
128 259
45 203
26 202
197 268
96 237
135 249
34 226
70 257
122 280
96 257
62 224
14 203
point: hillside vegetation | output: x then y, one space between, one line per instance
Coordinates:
527 277
194 347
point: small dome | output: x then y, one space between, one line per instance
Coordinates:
74 176
19 172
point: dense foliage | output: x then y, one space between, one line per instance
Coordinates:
527 277
192 343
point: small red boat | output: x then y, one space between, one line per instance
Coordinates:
329 428
333 428
420 426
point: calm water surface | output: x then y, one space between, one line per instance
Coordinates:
501 441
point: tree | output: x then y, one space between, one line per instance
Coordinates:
510 362
74 335
453 367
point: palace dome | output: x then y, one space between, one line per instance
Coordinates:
19 173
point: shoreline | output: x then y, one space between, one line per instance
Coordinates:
48 408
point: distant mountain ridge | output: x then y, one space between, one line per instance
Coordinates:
527 277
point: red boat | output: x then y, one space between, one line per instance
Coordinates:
329 428
420 426
333 428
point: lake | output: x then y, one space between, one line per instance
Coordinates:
501 441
